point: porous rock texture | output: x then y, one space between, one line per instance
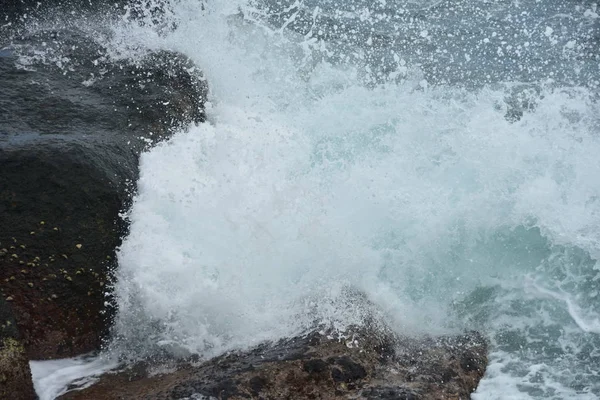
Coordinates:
15 374
365 365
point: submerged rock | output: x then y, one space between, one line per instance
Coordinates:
366 365
72 125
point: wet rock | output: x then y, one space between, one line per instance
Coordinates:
72 125
15 375
346 370
365 365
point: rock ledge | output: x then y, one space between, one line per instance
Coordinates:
316 366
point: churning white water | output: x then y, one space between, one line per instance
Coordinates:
452 194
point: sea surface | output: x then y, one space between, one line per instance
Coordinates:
440 157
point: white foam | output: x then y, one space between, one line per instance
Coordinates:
326 183
306 182
52 378
534 381
587 320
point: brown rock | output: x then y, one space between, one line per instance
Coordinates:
15 374
367 366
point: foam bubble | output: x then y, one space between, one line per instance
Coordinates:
51 378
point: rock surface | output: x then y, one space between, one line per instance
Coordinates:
72 125
317 366
15 374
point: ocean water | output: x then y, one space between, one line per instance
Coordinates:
439 157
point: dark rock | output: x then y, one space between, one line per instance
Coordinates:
367 369
349 371
15 374
70 139
315 366
257 384
469 362
389 393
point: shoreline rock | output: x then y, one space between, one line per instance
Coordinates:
15 373
70 138
367 365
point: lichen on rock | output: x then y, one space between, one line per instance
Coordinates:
15 374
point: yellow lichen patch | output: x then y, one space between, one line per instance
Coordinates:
42 223
30 284
69 278
11 353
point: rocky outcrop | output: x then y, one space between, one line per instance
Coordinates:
366 365
15 374
72 125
